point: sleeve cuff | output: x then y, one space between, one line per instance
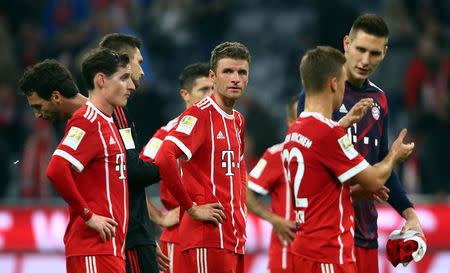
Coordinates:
257 188
180 145
353 171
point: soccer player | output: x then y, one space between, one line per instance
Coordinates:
141 247
365 47
319 160
210 136
267 177
88 169
195 85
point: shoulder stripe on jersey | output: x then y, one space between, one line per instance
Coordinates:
108 194
319 117
353 171
93 117
77 164
205 106
180 145
257 188
119 120
124 116
202 102
88 110
91 114
372 84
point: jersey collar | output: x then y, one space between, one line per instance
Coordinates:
103 115
222 112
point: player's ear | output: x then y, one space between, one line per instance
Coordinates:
385 50
184 94
212 75
99 80
346 42
333 84
56 97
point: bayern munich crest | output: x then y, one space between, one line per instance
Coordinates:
376 112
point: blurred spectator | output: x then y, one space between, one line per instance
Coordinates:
38 149
426 93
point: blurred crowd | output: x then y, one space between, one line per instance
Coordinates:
415 73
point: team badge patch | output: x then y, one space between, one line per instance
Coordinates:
127 138
347 147
74 137
186 124
375 113
152 147
259 168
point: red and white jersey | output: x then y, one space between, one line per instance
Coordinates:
169 202
319 159
213 142
93 146
267 177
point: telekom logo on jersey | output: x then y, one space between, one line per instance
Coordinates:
228 162
120 166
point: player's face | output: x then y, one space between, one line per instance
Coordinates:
202 87
231 78
44 109
119 86
136 69
364 53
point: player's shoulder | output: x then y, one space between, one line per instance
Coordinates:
238 117
170 125
373 87
275 149
319 120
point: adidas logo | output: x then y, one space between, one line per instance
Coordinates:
343 109
220 135
111 141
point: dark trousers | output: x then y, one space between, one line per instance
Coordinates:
142 259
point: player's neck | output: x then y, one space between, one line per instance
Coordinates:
319 103
225 103
73 104
101 103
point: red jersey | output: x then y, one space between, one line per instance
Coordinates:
93 146
267 177
213 142
319 160
169 202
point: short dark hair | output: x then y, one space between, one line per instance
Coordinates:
191 73
371 24
45 77
122 43
318 65
102 60
233 50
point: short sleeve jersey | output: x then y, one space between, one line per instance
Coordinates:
169 202
319 159
93 146
267 177
213 143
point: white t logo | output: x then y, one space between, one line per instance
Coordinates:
228 162
120 167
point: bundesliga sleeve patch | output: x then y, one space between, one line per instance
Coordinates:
186 125
347 147
127 138
152 147
259 168
74 137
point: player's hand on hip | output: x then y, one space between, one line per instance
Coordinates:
212 212
163 260
105 226
401 150
172 218
356 113
284 229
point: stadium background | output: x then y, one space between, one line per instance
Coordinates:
179 32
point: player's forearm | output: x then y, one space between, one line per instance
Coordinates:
166 160
141 173
257 208
397 197
58 171
154 213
